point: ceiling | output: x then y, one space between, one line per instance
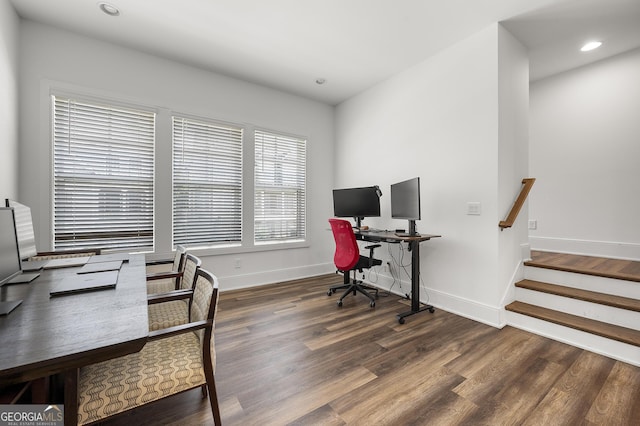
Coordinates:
352 44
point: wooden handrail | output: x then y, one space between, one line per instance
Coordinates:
527 183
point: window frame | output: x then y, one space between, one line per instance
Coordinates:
220 125
163 159
98 103
305 165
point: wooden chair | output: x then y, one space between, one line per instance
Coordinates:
173 308
164 276
174 360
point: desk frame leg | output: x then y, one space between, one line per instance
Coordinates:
414 246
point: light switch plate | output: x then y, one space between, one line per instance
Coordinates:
473 208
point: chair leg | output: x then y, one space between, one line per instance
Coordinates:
345 284
213 400
71 396
203 388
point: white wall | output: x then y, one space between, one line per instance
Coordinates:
54 59
9 23
513 157
585 154
440 121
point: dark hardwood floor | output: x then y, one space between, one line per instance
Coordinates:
591 265
287 355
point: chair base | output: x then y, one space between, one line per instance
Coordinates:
354 286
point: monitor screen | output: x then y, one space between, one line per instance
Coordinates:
405 199
24 229
9 258
357 202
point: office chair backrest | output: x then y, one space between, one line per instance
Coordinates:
347 251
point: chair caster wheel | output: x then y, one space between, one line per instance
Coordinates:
329 293
339 302
432 310
401 320
372 304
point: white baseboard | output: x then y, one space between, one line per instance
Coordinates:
612 249
237 282
590 342
473 310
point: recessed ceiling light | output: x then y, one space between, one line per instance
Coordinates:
320 81
109 9
590 46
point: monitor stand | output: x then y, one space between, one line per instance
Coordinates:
412 230
358 222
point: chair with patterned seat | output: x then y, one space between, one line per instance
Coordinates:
164 276
174 360
172 308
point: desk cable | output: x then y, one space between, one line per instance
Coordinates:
399 263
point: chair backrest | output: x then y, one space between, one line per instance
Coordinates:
347 251
178 261
204 308
191 265
178 258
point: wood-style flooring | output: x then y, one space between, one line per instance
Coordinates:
591 265
288 355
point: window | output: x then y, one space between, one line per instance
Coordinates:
207 183
103 166
280 188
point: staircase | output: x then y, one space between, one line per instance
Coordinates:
589 302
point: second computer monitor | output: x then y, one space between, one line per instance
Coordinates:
405 202
357 202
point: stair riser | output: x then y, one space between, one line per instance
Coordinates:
607 347
602 313
586 282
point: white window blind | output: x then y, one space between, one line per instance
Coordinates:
280 188
207 183
103 165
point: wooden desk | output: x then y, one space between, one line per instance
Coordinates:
414 247
48 335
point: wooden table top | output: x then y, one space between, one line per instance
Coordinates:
47 335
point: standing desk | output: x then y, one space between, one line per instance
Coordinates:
414 247
49 335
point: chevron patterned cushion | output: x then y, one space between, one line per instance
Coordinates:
168 314
163 367
164 285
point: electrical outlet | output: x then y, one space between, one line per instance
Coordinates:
533 224
237 263
473 208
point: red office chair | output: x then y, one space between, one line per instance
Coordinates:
347 258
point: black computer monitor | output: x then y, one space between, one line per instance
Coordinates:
357 203
405 202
